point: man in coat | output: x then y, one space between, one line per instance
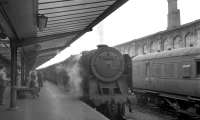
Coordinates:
4 80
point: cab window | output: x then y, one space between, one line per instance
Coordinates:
117 91
105 91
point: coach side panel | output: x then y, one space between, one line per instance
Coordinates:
174 75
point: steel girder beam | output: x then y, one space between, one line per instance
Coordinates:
30 41
47 55
40 52
49 50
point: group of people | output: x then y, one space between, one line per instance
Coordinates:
34 82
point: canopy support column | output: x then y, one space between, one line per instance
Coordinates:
13 99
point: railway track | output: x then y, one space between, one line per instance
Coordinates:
153 112
150 112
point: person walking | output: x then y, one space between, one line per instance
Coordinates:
4 80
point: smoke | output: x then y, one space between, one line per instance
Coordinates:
71 67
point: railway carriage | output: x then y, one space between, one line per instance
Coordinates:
171 77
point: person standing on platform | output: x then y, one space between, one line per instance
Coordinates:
4 80
34 85
40 79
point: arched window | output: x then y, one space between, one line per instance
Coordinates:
145 51
155 46
122 50
168 44
178 42
189 41
140 50
198 37
158 48
126 49
152 47
129 49
132 50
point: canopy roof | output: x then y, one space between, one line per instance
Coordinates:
67 21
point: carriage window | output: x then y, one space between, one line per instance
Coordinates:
156 70
186 71
117 91
198 68
105 91
169 70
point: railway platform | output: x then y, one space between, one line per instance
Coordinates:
53 104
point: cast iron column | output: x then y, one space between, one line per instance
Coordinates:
13 73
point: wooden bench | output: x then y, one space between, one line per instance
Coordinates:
23 91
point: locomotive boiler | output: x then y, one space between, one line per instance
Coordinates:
106 80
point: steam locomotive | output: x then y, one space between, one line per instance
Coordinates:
106 79
170 79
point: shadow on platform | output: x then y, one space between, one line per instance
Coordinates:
53 104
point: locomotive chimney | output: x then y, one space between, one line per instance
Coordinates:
173 14
101 46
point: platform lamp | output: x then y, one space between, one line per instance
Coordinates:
2 34
41 21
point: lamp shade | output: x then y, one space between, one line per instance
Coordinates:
41 21
3 36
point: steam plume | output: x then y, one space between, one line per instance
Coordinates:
72 68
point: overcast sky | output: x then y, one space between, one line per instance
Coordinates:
135 19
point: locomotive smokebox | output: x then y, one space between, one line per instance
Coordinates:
107 63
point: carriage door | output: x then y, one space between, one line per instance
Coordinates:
147 74
198 73
198 68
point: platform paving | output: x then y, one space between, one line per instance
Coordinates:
53 104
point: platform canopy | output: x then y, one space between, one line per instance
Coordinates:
67 20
